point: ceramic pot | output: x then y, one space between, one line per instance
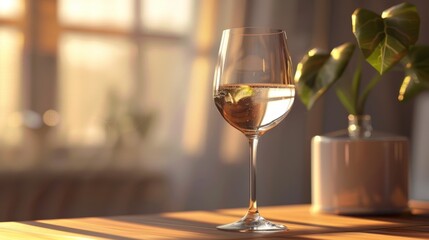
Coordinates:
359 171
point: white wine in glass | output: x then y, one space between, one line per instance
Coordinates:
253 90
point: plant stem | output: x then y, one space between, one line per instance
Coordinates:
357 76
367 90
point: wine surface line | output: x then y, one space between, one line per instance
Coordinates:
254 108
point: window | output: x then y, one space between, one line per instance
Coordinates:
11 45
11 9
92 70
129 52
116 14
11 50
167 16
104 73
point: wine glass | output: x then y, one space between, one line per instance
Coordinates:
253 91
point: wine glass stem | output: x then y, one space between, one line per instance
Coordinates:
253 144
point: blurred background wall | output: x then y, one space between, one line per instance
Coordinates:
106 106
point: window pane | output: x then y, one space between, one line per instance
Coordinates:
97 13
167 16
11 8
95 74
11 119
165 72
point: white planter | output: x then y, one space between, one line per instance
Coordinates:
359 175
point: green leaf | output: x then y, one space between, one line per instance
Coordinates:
410 89
416 73
384 39
318 70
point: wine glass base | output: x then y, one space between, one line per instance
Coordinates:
253 223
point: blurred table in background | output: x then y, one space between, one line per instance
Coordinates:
30 195
301 222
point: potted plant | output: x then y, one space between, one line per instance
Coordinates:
361 172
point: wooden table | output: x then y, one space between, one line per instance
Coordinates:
301 222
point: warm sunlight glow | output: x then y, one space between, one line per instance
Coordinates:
298 72
97 13
167 16
118 229
43 232
204 36
231 148
403 88
11 8
386 14
95 77
354 23
51 118
195 127
11 45
312 52
165 79
336 54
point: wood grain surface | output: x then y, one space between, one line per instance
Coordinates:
302 224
